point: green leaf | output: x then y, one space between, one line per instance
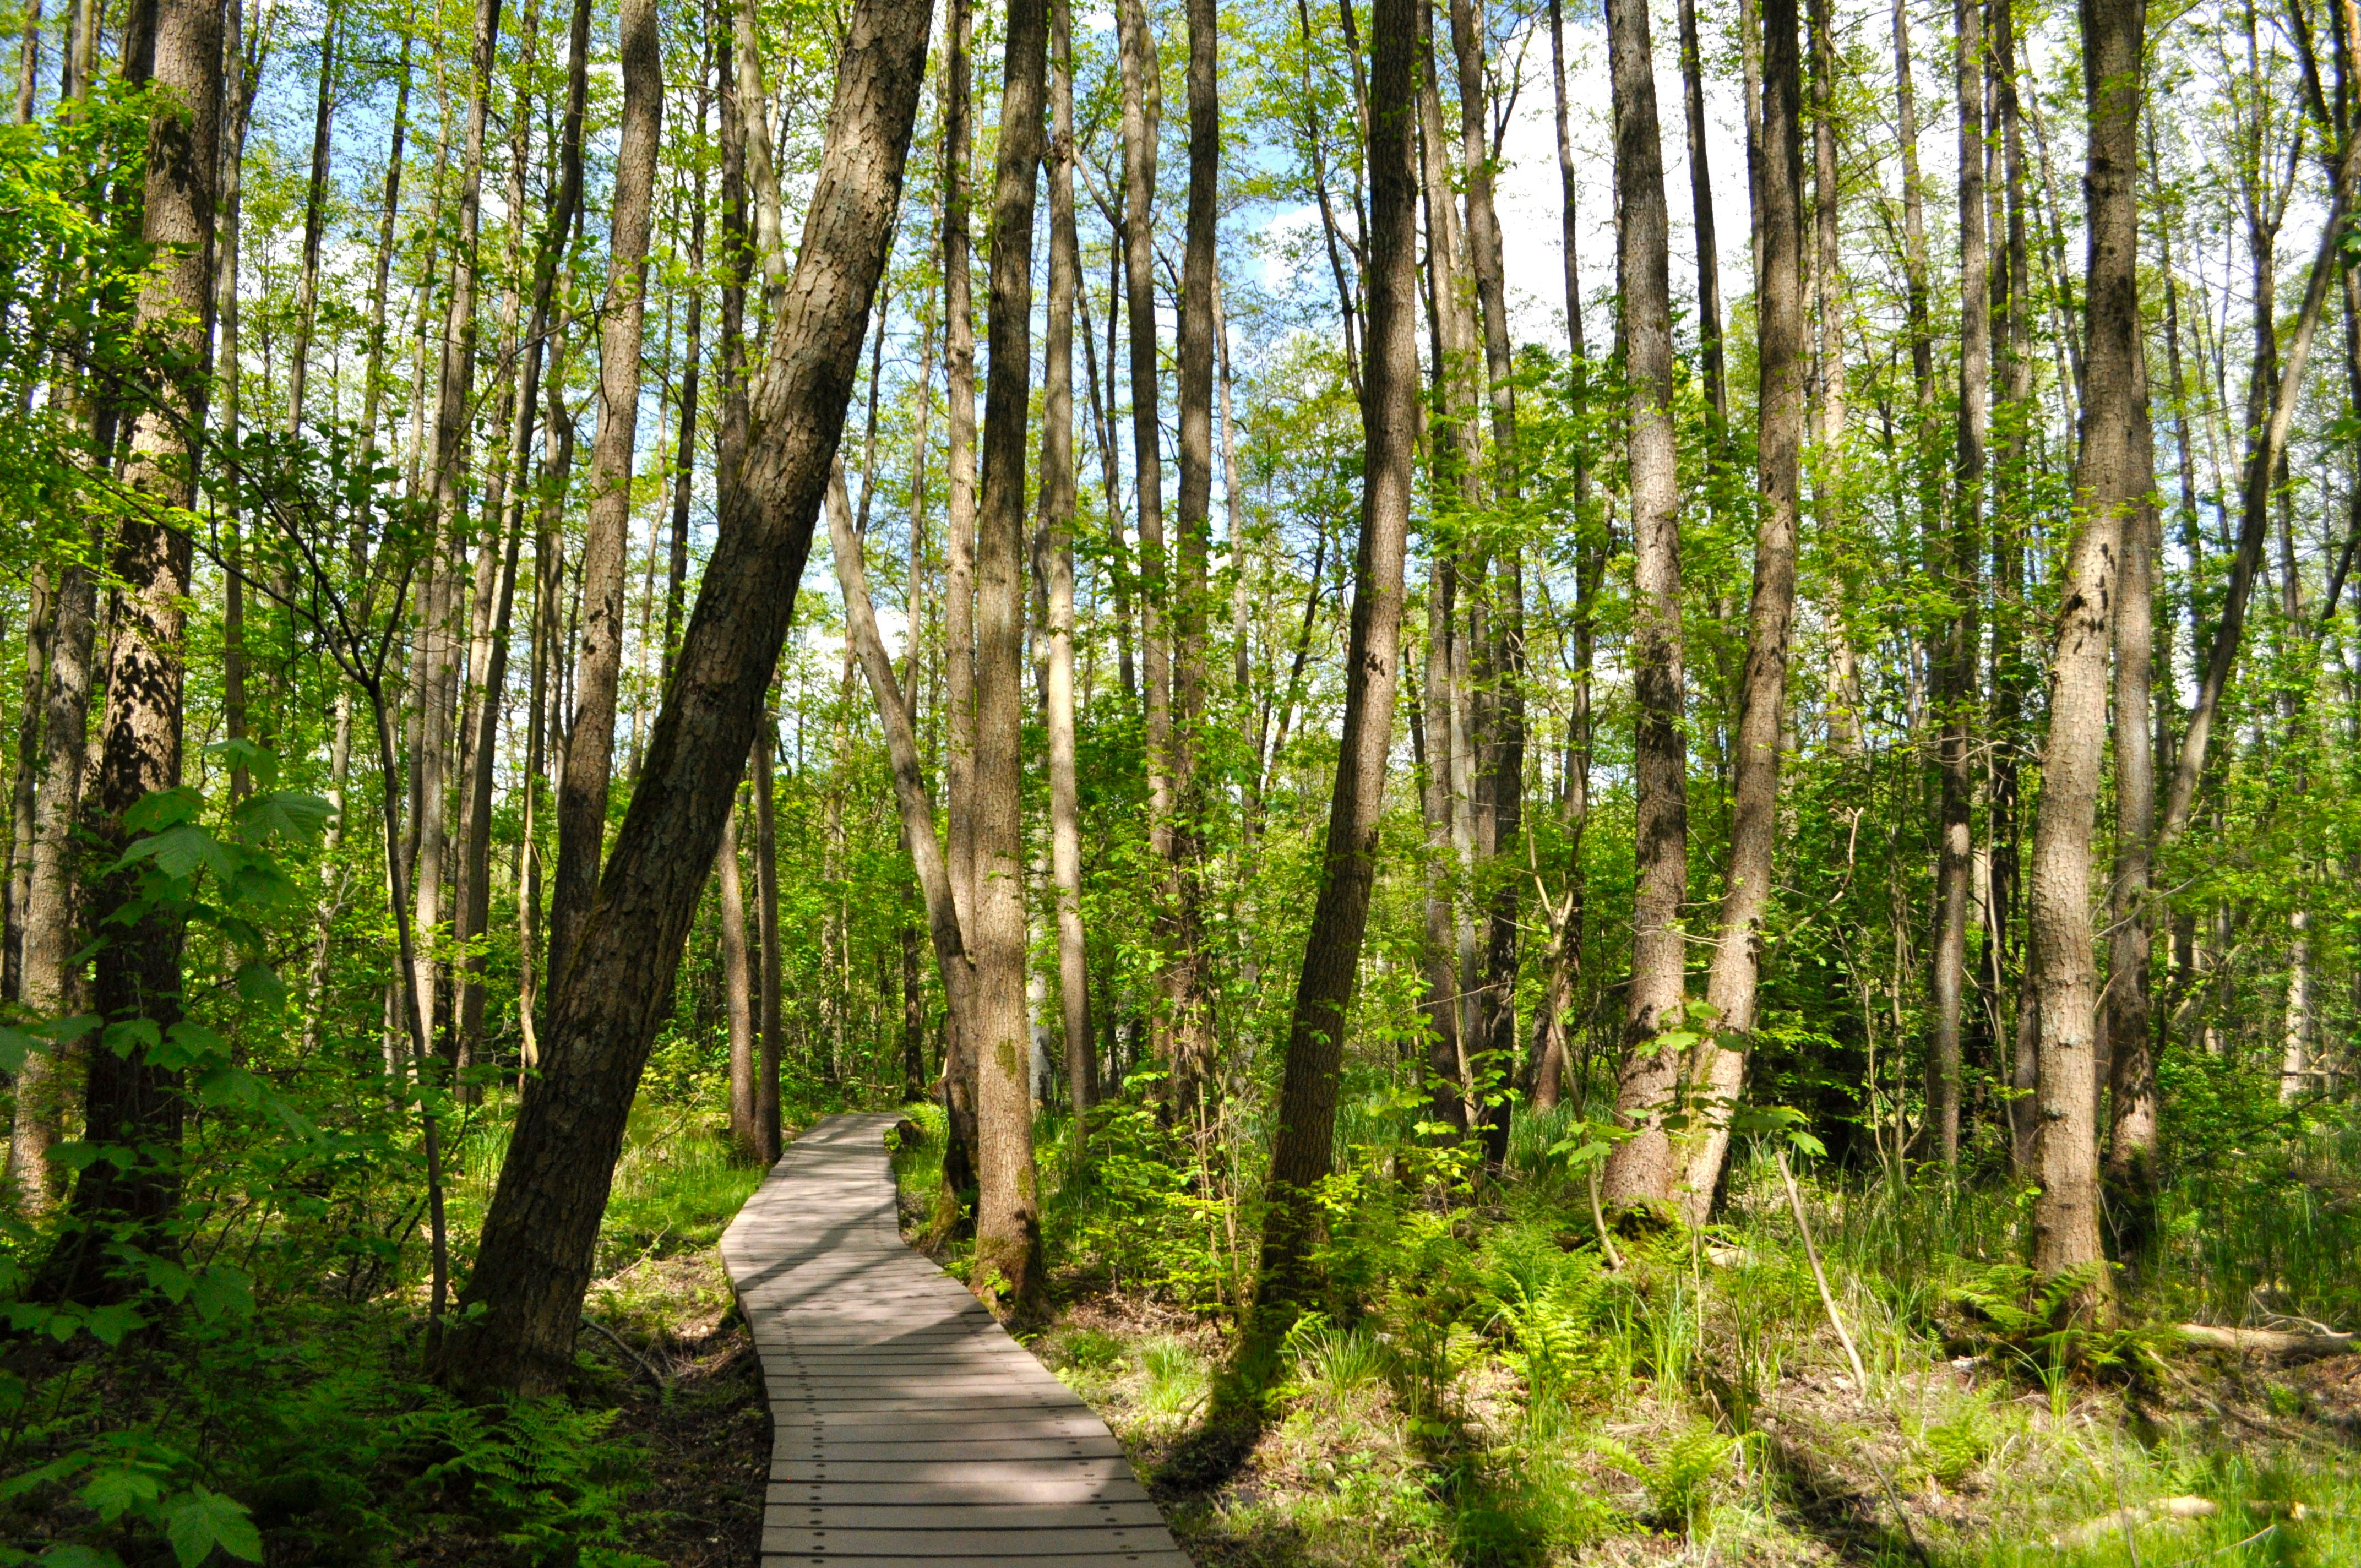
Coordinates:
108 1325
260 984
116 1489
121 1038
284 815
198 1521
164 808
70 1555
15 1047
223 1291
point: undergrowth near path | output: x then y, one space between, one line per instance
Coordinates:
1481 1389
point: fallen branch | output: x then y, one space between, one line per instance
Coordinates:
2127 1520
2278 1344
662 1383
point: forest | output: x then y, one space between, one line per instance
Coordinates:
1584 793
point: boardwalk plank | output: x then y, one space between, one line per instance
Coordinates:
909 1430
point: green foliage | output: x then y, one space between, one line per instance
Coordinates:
540 1472
1680 1476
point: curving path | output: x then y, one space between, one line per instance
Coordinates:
908 1427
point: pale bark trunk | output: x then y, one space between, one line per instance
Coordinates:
767 1130
2132 1131
1708 323
1058 557
2066 1211
542 1229
51 933
1008 1216
591 739
132 1100
736 994
1641 1170
1305 1142
959 540
1719 1063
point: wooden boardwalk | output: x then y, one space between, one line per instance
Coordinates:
908 1427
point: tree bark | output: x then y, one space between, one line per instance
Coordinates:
541 1230
1008 1216
1709 355
2112 489
736 994
1960 554
1058 559
2132 1178
590 740
959 540
1719 1063
1305 1144
768 1133
131 1101
315 199
1641 1170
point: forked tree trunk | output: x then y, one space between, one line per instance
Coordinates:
2114 488
1641 1168
1719 1063
1008 1214
1303 1145
525 1296
133 1102
590 740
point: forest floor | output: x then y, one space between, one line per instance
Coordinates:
1702 1412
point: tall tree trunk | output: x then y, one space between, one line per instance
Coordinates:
1303 1145
237 114
40 622
316 202
373 371
1057 559
736 994
133 1102
1142 112
1008 1216
1709 355
52 933
2130 1171
591 740
2114 488
768 1133
1189 1008
958 541
1960 553
1718 1067
1641 1170
436 657
541 1231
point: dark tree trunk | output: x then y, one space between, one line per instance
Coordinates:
540 1235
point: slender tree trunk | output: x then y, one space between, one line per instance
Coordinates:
373 372
959 542
768 1133
316 202
1190 1012
237 114
1710 355
52 933
2114 488
1304 1143
541 1231
738 993
590 740
1058 559
1008 1219
1718 1067
1960 553
2132 1178
1641 1168
133 1102
41 622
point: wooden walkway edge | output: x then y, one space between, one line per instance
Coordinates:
908 1427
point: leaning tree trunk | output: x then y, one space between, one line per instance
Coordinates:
539 1237
2066 1210
1719 1063
132 1102
1641 1170
1303 1145
591 740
